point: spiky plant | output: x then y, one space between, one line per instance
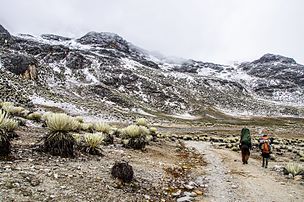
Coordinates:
102 127
7 127
13 110
86 127
36 116
46 115
79 119
294 169
133 131
153 132
77 137
5 144
92 142
144 130
141 122
6 104
137 137
59 141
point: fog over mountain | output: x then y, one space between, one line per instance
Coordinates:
217 31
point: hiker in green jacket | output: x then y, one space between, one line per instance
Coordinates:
245 145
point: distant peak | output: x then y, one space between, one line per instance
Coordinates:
105 40
274 58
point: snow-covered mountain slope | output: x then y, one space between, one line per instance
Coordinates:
103 74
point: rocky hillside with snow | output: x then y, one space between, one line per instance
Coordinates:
102 74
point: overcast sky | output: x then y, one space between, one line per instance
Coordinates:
218 31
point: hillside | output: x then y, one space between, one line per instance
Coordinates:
103 75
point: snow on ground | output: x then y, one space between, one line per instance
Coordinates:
89 76
130 64
67 107
73 110
249 114
140 111
179 75
185 115
72 44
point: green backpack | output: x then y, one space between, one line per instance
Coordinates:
245 136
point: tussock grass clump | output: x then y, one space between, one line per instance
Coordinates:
141 122
153 130
6 123
79 119
7 127
77 137
102 127
59 141
132 131
294 169
46 115
144 130
35 116
60 122
92 142
137 137
6 104
13 110
5 144
87 126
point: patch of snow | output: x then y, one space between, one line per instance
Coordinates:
140 111
185 116
67 107
130 64
178 75
89 76
206 72
72 44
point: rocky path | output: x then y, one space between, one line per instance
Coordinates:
230 180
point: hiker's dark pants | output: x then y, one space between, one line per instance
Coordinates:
265 159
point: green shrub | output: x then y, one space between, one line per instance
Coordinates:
102 127
294 169
141 122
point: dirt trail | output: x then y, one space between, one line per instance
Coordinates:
230 180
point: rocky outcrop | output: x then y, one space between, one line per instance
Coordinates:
20 65
105 40
75 60
5 37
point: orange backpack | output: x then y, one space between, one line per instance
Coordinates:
265 146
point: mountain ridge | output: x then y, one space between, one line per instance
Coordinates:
104 74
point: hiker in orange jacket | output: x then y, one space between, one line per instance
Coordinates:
265 146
